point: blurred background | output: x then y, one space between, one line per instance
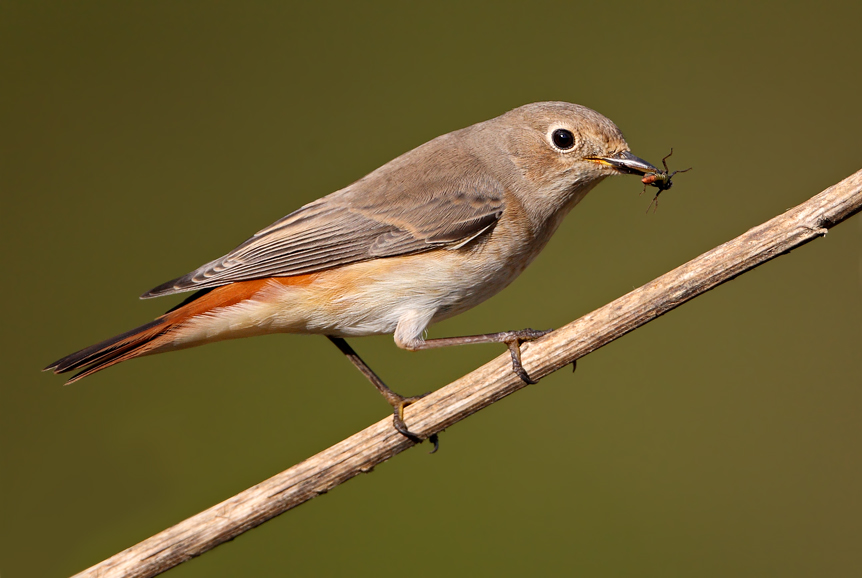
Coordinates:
139 140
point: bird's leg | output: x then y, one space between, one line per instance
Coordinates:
512 339
398 402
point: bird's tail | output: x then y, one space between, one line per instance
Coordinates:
162 333
112 351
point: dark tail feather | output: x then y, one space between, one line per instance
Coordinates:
114 350
152 335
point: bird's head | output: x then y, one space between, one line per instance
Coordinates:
561 151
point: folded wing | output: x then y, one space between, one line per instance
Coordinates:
378 216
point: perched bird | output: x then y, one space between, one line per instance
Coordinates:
426 236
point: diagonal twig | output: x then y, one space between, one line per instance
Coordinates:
482 387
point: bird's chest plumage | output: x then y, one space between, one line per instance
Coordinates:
372 297
478 272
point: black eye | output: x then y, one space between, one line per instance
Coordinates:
564 139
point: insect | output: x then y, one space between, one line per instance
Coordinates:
660 180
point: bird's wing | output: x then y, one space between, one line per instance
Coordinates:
373 218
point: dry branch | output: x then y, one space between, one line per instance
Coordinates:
482 387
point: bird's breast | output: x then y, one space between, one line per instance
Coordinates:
371 297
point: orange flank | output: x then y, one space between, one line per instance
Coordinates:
161 332
228 295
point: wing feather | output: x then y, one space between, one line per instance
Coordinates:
378 216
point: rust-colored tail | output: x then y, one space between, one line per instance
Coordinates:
157 333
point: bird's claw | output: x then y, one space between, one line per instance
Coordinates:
513 341
398 422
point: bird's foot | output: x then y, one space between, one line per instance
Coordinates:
513 340
398 405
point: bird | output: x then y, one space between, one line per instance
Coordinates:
427 236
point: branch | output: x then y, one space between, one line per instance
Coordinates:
482 387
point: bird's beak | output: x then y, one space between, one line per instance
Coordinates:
626 162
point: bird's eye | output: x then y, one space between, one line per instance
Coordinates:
563 139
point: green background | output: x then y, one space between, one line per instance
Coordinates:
140 140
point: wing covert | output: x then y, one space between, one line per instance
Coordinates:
373 218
